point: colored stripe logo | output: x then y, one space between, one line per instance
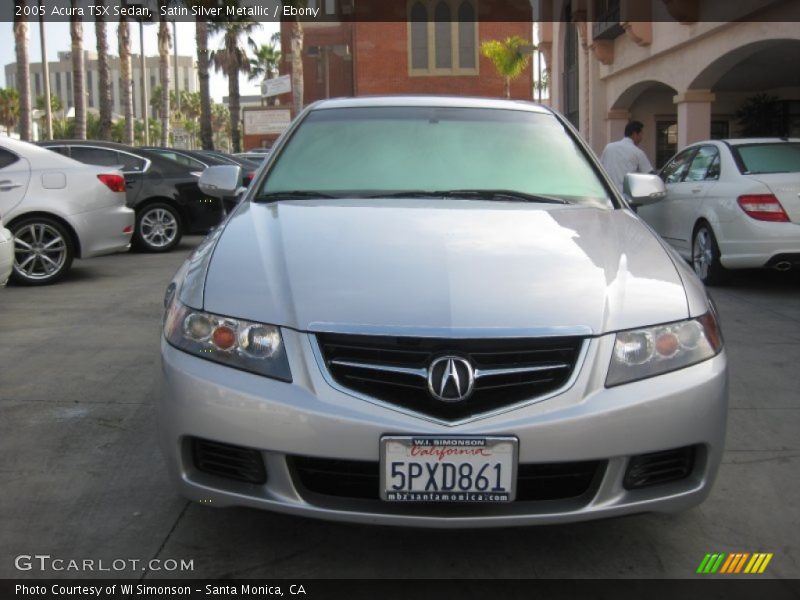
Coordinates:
734 563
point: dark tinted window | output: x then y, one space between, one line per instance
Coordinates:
95 156
701 164
781 157
7 158
60 149
677 167
128 162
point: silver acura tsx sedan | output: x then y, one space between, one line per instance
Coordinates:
438 312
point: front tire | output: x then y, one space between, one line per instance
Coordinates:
158 228
706 255
43 251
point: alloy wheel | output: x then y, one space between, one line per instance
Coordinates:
159 227
702 253
40 251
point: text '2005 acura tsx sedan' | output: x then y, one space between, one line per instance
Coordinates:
437 312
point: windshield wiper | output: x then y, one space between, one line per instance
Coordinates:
291 195
474 194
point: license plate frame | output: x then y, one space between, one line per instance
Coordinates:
505 447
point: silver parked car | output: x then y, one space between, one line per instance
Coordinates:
437 312
732 204
59 209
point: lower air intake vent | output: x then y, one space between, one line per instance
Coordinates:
361 479
228 461
646 470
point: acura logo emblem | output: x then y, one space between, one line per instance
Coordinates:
450 379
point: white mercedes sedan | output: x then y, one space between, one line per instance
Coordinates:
732 204
435 311
59 209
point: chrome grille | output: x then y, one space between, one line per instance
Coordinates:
395 369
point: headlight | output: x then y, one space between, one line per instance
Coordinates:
245 345
643 353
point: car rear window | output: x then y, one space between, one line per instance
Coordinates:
780 157
395 149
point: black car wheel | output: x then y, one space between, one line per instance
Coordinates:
705 256
43 251
158 228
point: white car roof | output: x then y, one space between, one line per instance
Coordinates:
762 140
429 101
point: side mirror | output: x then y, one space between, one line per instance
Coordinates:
643 188
220 181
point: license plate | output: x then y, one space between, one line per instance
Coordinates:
448 469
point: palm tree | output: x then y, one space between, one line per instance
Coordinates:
231 58
221 122
55 107
163 71
126 83
23 72
297 66
78 91
265 64
103 78
201 39
508 59
9 108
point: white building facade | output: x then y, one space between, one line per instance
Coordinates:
682 75
61 80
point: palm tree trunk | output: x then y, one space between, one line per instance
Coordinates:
78 92
206 132
163 76
23 74
297 67
507 87
231 43
103 79
126 91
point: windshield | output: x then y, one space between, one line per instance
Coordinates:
780 157
369 151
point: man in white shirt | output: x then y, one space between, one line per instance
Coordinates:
623 157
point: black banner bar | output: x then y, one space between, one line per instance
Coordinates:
733 588
353 11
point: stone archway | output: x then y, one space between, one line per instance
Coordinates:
767 66
650 102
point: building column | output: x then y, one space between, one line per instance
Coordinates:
616 120
694 116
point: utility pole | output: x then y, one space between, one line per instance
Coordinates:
143 69
46 74
175 64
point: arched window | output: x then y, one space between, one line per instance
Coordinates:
419 36
443 36
466 35
438 44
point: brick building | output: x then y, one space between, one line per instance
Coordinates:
414 47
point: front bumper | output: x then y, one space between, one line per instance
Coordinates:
309 418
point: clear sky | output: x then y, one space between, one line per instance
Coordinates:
58 40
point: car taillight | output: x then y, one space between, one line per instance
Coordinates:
763 207
116 183
248 177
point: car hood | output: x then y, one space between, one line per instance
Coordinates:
442 267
